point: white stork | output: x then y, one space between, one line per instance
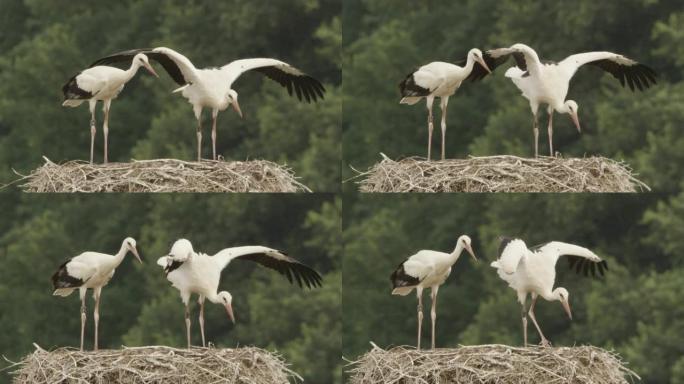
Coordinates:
533 271
192 272
101 83
427 269
90 270
439 79
213 87
548 82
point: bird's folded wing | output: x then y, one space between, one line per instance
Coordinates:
305 86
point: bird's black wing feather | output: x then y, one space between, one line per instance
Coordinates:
409 88
635 75
306 87
585 266
62 279
400 278
289 268
72 91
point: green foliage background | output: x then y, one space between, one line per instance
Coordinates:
384 40
44 43
139 307
635 310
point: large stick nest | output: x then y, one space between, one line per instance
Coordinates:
484 364
163 175
154 365
500 174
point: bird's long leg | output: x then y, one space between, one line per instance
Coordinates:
544 341
430 101
96 313
419 292
433 312
93 129
214 116
198 116
105 129
443 104
523 314
550 131
82 293
200 300
187 322
536 135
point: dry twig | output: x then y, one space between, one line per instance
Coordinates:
500 174
163 175
484 364
154 364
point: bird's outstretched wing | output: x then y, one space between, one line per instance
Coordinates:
495 58
581 259
511 252
305 86
179 67
169 263
626 70
273 259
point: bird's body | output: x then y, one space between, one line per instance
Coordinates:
90 270
438 79
213 87
197 273
100 83
533 272
548 83
427 269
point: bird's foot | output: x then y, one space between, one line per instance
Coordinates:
545 343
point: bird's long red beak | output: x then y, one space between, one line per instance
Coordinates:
484 64
135 253
470 250
566 306
229 311
575 119
150 69
236 107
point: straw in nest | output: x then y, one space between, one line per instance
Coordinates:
500 174
163 175
154 364
499 364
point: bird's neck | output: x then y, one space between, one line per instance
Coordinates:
456 253
470 63
550 295
214 298
132 70
118 258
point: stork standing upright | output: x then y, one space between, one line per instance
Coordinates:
213 87
533 271
101 83
90 270
427 269
439 79
548 82
191 272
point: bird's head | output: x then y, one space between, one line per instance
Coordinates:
226 300
181 249
141 60
571 108
476 54
232 99
464 241
562 295
129 244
